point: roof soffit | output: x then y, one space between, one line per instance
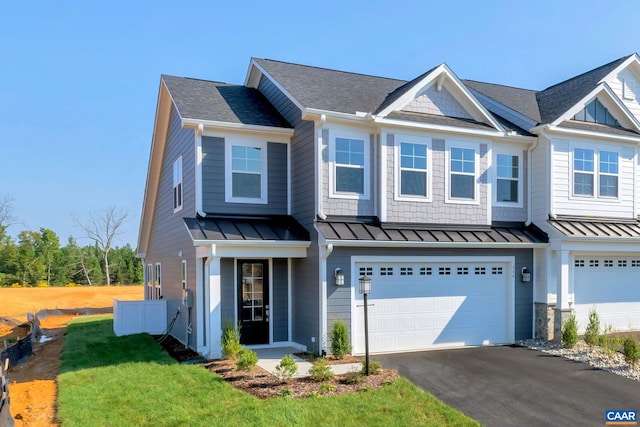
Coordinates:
608 98
443 78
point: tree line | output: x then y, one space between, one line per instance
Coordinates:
36 258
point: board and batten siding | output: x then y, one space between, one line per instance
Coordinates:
213 183
168 234
564 203
339 297
437 211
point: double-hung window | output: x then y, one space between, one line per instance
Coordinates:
593 170
245 172
157 282
414 180
608 176
462 173
507 178
351 166
583 172
177 184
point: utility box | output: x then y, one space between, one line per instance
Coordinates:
135 317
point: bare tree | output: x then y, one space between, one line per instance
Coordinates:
6 214
102 227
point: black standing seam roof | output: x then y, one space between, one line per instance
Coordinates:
361 231
277 228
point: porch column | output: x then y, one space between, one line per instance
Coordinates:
215 313
563 309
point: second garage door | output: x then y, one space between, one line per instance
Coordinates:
611 286
428 304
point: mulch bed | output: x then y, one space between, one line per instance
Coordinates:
263 384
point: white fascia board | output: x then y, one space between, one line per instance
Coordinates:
437 128
590 244
315 113
260 249
434 245
594 135
631 60
275 82
158 141
514 116
601 88
211 124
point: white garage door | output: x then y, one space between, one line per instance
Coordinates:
611 285
430 304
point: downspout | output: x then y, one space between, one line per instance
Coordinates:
317 152
325 251
549 164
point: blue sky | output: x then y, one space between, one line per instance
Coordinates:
79 80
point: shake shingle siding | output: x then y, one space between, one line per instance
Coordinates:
213 180
170 236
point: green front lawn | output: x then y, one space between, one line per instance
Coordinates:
107 380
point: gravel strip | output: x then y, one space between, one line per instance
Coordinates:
592 356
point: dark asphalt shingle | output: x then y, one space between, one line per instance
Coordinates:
215 101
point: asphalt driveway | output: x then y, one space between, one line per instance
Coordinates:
515 386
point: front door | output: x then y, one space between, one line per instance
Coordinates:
253 301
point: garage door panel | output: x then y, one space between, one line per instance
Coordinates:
611 285
467 306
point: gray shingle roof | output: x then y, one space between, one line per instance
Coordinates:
597 127
521 100
331 90
207 100
438 120
557 99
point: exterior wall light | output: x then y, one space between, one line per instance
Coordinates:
339 275
526 275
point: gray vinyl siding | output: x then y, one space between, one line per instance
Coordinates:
303 189
280 300
280 101
168 235
339 298
227 291
213 184
305 297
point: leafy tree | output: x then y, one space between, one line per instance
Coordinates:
29 266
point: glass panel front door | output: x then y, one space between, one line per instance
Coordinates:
253 295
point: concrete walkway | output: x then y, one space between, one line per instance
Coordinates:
269 358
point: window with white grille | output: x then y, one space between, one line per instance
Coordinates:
366 271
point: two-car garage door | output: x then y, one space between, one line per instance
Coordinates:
434 303
611 286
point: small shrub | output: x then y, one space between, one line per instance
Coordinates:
631 351
287 368
340 344
41 284
608 342
325 388
320 371
374 367
388 382
230 341
570 331
285 392
365 389
314 394
352 378
592 332
247 360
